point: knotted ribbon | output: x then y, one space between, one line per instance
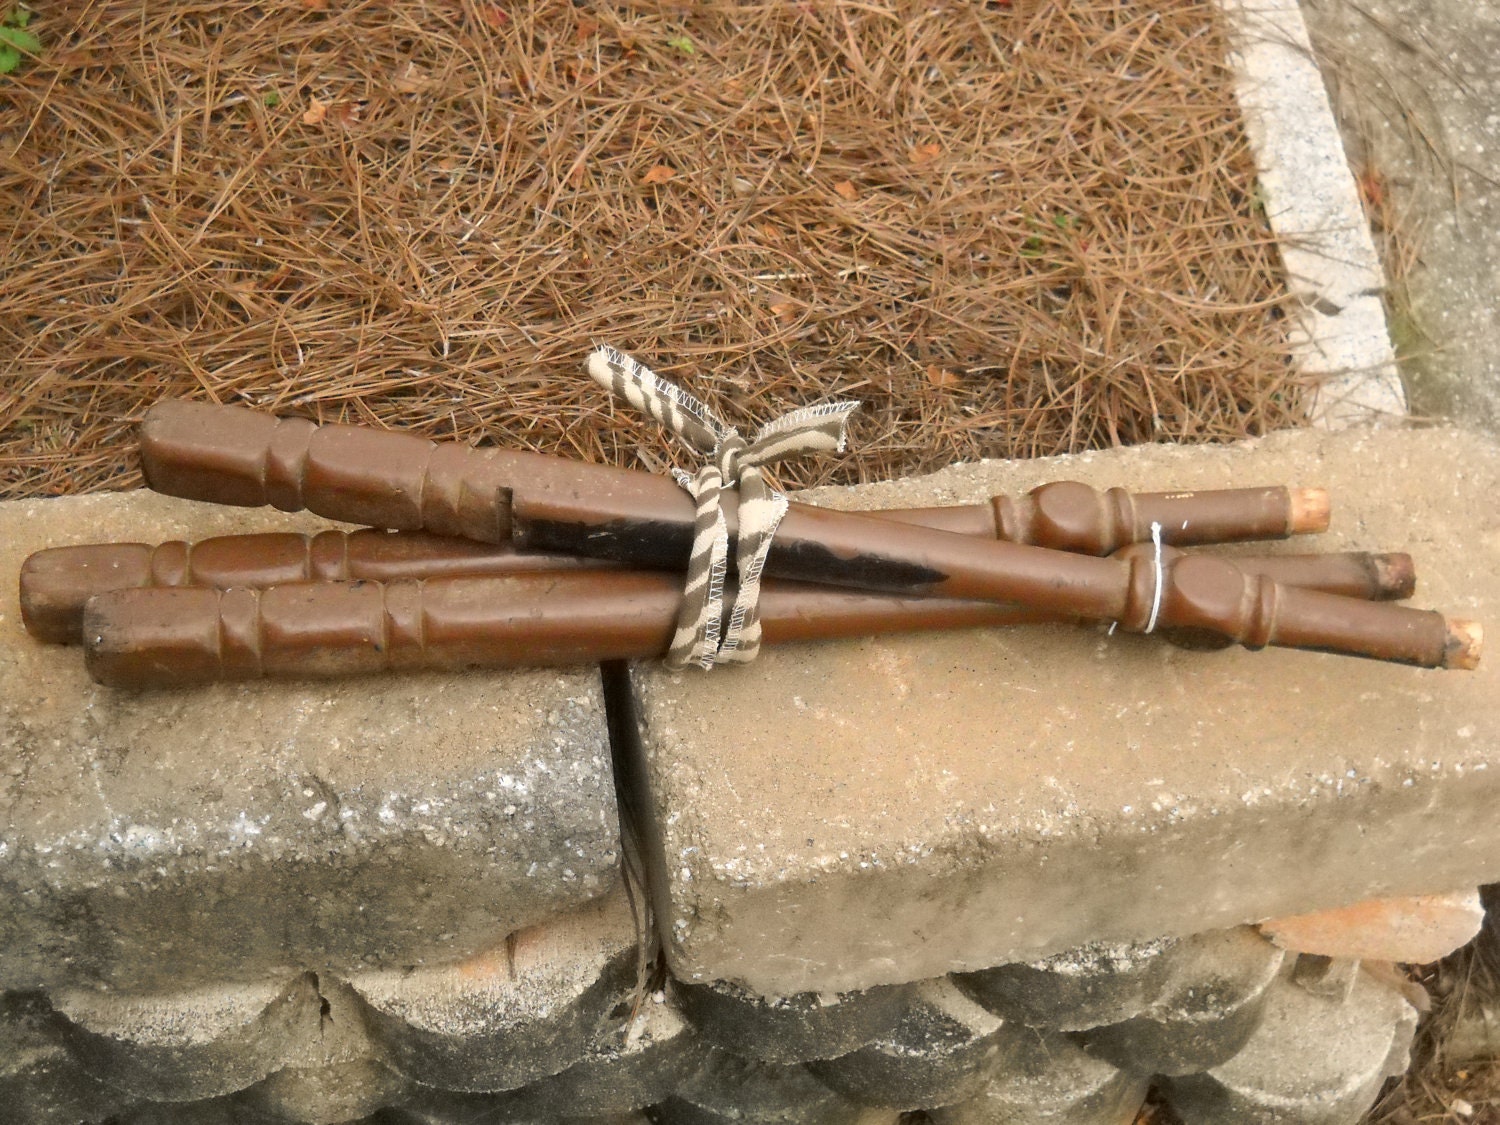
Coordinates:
702 637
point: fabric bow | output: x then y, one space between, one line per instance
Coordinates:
702 637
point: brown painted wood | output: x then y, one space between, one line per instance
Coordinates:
56 583
546 504
230 455
167 637
154 637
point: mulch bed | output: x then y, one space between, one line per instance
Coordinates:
1009 228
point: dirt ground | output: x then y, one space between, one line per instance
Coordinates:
1010 227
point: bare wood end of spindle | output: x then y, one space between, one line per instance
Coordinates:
1395 575
1465 640
1310 510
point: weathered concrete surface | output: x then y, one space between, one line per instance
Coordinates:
1338 325
788 1029
416 1115
161 1060
410 1116
218 1111
1211 1004
332 1094
1096 984
939 1053
162 839
528 1008
40 1082
194 1044
836 817
1314 1060
1415 84
407 1115
633 1063
1328 976
1040 1078
730 1088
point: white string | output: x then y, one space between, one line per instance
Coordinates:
1159 578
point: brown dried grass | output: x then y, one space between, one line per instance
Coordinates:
1010 229
1443 1085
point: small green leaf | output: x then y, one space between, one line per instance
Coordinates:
683 44
10 58
19 16
20 40
271 99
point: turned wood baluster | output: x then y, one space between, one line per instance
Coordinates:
552 505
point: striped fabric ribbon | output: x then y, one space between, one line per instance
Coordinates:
703 637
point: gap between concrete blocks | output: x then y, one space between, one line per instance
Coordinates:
643 864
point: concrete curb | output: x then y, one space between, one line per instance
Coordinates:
1332 269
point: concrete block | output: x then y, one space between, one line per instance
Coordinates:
788 1029
490 1109
527 1008
1210 1006
870 812
156 841
437 1107
631 1064
195 1044
939 1053
1314 1060
40 1082
325 1095
1313 205
1414 930
213 1111
1042 1078
1325 976
733 1088
339 1075
409 1116
1095 984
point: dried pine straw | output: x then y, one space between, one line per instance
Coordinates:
1009 228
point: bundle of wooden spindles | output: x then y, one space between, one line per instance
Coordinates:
488 557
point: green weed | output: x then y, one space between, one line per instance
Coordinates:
15 41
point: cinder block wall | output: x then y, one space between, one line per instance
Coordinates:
1002 876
